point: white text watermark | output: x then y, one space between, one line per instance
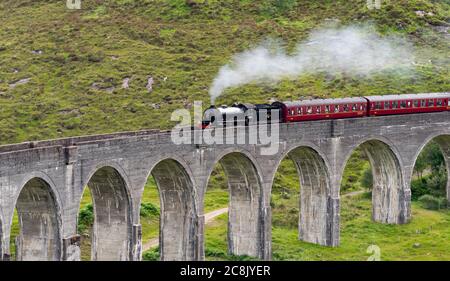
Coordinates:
73 4
374 4
232 125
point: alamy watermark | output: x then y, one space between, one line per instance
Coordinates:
231 126
73 4
375 253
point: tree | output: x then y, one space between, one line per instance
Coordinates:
367 179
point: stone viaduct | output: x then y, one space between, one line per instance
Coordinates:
45 181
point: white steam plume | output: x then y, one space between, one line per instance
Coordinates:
353 50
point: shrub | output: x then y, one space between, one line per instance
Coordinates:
151 255
148 209
433 203
367 178
213 252
433 184
85 218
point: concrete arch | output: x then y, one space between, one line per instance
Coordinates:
443 140
178 212
245 221
316 211
391 197
39 214
112 204
1 238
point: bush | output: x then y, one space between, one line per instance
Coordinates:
151 255
434 184
217 253
213 252
85 218
433 203
367 179
148 209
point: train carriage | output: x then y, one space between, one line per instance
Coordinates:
406 104
321 109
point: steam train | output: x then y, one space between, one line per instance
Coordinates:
324 109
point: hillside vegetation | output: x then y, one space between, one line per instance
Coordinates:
64 72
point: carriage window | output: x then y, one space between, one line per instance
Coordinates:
300 110
378 105
346 107
354 107
327 108
395 104
423 103
409 103
445 102
386 105
439 102
318 109
336 108
309 110
403 104
416 103
430 102
361 107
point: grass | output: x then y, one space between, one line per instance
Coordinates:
425 238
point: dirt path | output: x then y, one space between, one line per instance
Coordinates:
208 218
354 193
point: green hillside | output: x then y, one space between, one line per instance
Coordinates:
61 71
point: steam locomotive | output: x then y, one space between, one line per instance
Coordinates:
323 109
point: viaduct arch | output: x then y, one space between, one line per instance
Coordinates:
39 220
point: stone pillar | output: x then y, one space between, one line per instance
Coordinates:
266 230
71 248
200 239
112 224
136 242
244 214
333 236
316 209
391 196
39 237
1 240
444 143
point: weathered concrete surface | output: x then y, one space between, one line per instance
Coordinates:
39 237
314 194
177 211
444 143
244 222
116 168
388 185
112 224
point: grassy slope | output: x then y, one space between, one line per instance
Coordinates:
182 47
103 44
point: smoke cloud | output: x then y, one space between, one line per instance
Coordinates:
353 50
